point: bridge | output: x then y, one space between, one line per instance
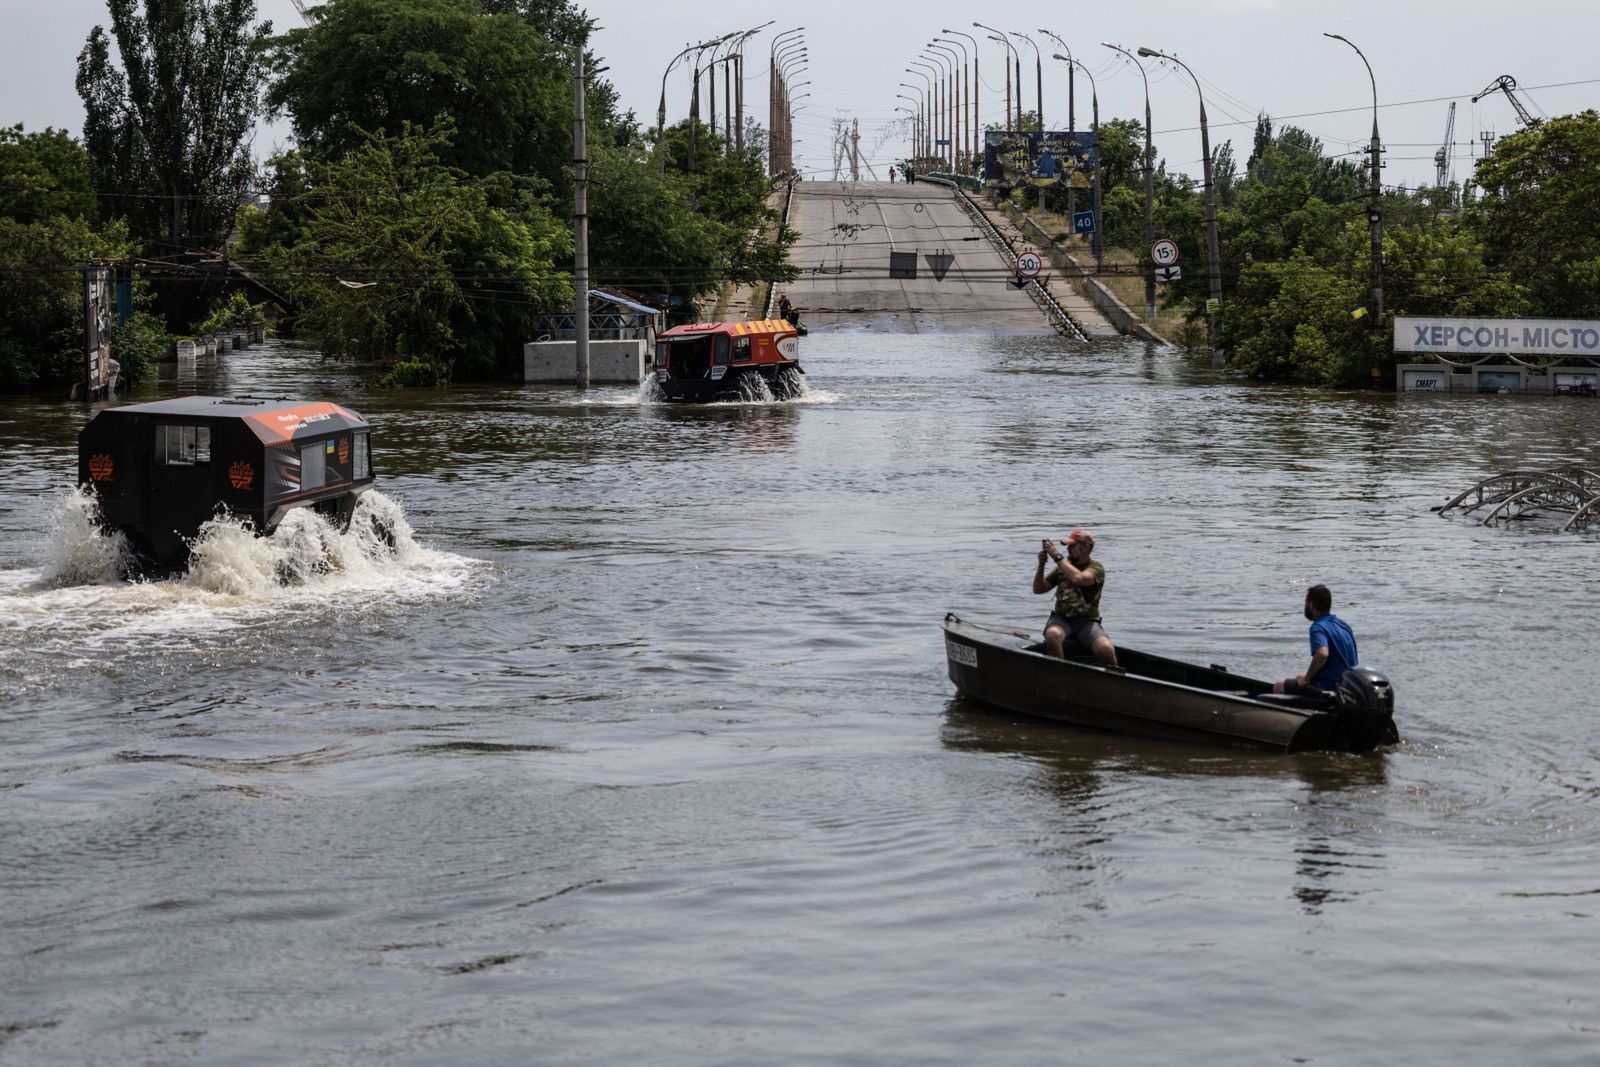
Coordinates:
860 242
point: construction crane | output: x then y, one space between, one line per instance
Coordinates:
1506 83
299 5
1443 163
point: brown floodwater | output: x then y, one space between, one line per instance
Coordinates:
640 746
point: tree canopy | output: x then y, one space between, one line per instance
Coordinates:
44 175
168 130
402 261
1539 213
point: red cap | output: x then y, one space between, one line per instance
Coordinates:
1077 536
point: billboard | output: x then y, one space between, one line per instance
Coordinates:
1032 158
99 319
1513 337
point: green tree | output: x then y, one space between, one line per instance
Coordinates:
168 131
41 265
375 65
1122 155
728 194
1292 320
644 233
405 264
1539 212
44 175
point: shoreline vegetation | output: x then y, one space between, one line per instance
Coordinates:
421 223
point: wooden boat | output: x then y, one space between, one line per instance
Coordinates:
1152 696
718 360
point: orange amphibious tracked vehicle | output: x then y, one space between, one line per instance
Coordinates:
718 360
160 470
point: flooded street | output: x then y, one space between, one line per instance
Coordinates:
640 747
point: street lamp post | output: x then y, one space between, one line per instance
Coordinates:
694 96
790 98
932 74
974 92
941 97
1375 206
1038 77
738 79
996 35
1149 188
794 109
1214 308
774 91
922 119
1072 117
909 113
661 109
792 53
1094 96
965 96
930 132
954 102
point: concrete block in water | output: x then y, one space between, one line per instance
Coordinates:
616 362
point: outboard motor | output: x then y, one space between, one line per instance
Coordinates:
1364 702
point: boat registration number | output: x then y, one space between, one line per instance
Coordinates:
965 655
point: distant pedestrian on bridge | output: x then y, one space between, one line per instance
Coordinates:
891 175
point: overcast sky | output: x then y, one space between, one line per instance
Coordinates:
1252 55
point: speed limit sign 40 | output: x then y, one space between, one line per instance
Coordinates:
1164 253
1028 264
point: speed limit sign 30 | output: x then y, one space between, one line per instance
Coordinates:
1164 253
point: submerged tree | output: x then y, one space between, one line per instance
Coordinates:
406 264
168 130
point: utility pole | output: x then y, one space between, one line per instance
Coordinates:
738 84
694 110
1375 204
855 150
580 223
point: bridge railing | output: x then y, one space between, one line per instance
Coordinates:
772 286
1060 317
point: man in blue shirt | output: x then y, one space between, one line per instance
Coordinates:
1333 647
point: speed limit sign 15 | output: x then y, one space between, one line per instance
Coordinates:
1164 253
1028 264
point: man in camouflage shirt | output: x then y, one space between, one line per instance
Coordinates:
1078 582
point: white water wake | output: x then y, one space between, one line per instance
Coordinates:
77 609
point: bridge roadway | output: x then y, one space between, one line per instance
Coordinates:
847 231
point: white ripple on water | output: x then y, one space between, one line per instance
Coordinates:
648 395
